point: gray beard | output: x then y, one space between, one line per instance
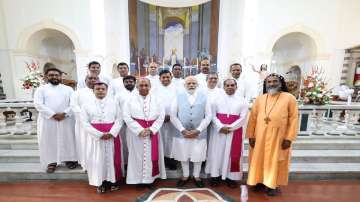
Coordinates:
273 91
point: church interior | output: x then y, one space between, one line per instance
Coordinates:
308 42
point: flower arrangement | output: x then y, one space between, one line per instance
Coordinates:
34 79
314 88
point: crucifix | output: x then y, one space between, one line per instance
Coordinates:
267 120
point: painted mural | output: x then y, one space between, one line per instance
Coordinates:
172 35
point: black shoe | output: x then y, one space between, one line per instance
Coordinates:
231 183
181 182
214 181
199 183
271 192
257 187
171 164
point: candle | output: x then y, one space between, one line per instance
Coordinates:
139 66
197 62
163 62
152 59
184 62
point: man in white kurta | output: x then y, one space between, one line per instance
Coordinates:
177 80
144 116
190 114
102 121
166 92
226 137
78 99
94 67
243 87
56 132
117 84
153 75
204 71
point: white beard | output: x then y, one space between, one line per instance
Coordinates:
191 92
273 91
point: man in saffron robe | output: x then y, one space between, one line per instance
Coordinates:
272 127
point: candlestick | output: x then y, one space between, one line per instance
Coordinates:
139 66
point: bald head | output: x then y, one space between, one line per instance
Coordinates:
153 69
191 84
143 86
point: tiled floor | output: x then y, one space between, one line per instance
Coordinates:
80 191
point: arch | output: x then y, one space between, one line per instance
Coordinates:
48 24
175 4
169 21
297 29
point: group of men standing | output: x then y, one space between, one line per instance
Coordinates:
134 128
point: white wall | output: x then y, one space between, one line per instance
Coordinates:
248 31
5 65
332 24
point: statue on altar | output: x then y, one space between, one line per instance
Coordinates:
173 57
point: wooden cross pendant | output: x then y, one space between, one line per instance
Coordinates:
267 120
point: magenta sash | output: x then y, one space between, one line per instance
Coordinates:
154 146
106 127
236 144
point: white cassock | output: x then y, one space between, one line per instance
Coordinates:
56 138
184 149
167 94
179 84
244 89
102 77
120 99
116 86
78 99
100 153
201 79
218 161
154 81
213 95
140 162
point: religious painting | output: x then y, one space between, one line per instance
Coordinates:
168 36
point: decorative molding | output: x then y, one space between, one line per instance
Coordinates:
46 24
175 4
301 28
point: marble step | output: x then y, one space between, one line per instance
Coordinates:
300 144
298 156
10 172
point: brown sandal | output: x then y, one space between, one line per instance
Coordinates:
51 168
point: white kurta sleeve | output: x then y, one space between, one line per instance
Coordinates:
85 121
155 127
118 123
242 120
40 106
205 122
173 116
131 124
